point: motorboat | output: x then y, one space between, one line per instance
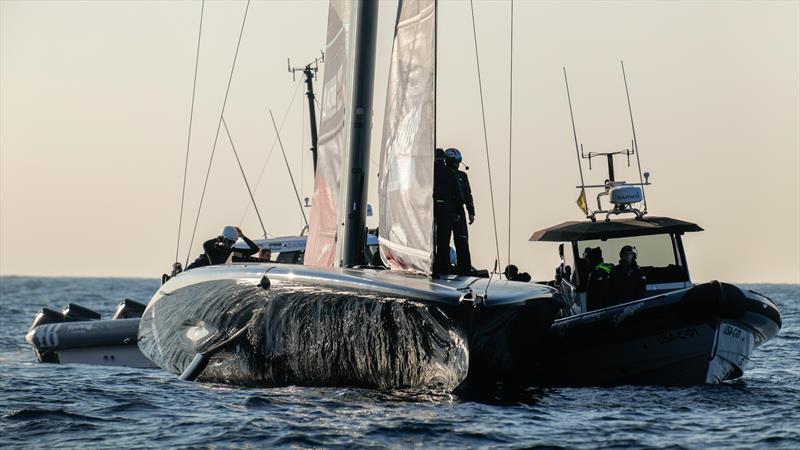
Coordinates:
673 331
679 333
78 335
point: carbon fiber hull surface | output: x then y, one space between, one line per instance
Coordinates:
346 327
704 334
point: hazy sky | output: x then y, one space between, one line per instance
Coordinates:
95 98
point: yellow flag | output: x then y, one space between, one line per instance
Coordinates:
581 201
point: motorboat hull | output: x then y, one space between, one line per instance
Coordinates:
703 334
95 342
345 327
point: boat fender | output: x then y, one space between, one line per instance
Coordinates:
264 283
78 313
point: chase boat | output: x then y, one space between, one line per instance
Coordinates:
678 333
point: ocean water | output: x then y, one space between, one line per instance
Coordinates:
55 406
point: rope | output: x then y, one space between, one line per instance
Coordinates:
189 137
216 136
289 169
485 136
269 155
244 177
510 124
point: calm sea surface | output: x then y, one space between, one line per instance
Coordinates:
50 406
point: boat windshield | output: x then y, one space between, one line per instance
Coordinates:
657 255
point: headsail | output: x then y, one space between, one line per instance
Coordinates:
407 150
333 136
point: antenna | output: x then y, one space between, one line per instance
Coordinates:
621 195
633 129
575 135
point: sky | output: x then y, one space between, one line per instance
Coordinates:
95 103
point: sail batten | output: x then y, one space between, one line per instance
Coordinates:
407 147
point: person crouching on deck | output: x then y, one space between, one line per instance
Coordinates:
219 249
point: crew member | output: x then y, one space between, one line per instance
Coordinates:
512 273
447 200
460 231
264 255
628 281
597 285
219 249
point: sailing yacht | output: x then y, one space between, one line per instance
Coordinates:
335 321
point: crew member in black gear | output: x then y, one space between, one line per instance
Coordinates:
597 285
628 281
447 198
264 255
219 249
460 231
512 273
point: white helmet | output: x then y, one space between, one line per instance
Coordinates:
230 234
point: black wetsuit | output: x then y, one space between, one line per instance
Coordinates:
525 277
460 229
216 253
628 283
447 200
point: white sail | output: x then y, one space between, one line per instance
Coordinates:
407 150
333 136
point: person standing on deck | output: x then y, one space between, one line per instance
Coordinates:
447 198
460 231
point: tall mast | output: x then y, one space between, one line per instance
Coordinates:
355 214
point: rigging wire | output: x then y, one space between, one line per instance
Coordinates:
510 124
216 136
189 136
244 177
269 155
633 128
302 149
575 136
289 169
485 136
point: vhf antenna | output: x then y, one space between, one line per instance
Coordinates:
310 72
575 135
633 129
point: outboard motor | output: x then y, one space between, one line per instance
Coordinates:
78 313
128 309
45 316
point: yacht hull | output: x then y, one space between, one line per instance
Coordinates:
331 327
704 334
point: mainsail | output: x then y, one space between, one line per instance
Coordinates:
407 150
333 138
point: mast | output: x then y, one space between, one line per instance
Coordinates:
355 215
310 72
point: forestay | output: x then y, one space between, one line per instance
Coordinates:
407 150
333 137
